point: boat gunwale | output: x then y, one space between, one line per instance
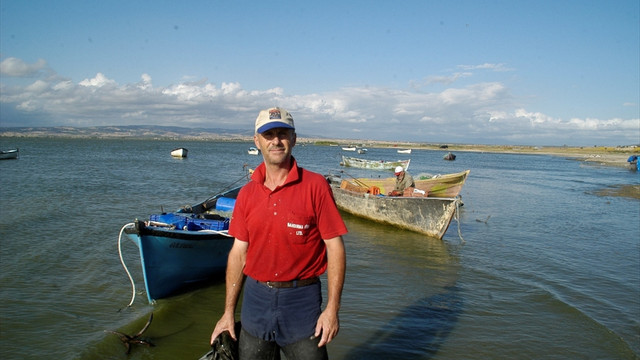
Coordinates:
190 235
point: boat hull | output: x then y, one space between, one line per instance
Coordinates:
176 259
374 164
9 154
426 215
181 249
179 152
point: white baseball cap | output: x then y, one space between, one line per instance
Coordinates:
273 118
398 170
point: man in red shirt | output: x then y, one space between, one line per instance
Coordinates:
288 232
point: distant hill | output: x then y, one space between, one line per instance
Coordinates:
129 131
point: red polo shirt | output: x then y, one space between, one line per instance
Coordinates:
285 227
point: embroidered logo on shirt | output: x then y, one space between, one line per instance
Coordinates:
297 226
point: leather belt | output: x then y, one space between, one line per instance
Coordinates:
290 284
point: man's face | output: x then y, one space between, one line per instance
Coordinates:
276 145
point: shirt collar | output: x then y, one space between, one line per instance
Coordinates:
259 175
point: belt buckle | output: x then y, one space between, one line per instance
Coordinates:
270 284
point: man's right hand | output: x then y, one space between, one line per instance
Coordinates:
227 322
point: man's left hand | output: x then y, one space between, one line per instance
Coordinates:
328 325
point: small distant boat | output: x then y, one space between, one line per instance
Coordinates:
428 208
349 148
362 151
373 164
253 151
183 248
404 151
9 154
450 156
179 152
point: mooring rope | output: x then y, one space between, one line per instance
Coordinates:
133 285
458 201
245 177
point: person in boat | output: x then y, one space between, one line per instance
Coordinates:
404 180
288 232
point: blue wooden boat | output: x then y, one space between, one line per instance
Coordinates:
182 249
633 162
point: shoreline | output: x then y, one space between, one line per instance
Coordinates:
602 155
595 156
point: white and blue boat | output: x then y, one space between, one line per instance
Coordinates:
253 151
182 249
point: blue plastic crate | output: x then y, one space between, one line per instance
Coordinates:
206 224
177 220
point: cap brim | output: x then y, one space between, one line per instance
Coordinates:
273 125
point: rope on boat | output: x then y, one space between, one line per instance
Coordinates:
245 177
458 202
356 180
133 285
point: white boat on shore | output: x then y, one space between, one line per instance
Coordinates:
404 151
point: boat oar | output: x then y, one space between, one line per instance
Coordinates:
357 181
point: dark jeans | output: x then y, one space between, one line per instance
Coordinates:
253 348
283 315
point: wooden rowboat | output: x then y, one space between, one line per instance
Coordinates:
428 208
373 164
447 185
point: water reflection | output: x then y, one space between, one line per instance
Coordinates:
401 295
417 332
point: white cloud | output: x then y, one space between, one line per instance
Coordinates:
486 66
146 82
14 67
446 79
99 81
38 86
475 113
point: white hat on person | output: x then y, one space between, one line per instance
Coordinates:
273 118
398 170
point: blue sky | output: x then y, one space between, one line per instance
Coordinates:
486 72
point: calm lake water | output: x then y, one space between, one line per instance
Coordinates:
546 268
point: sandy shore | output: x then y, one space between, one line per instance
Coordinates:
608 156
616 157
